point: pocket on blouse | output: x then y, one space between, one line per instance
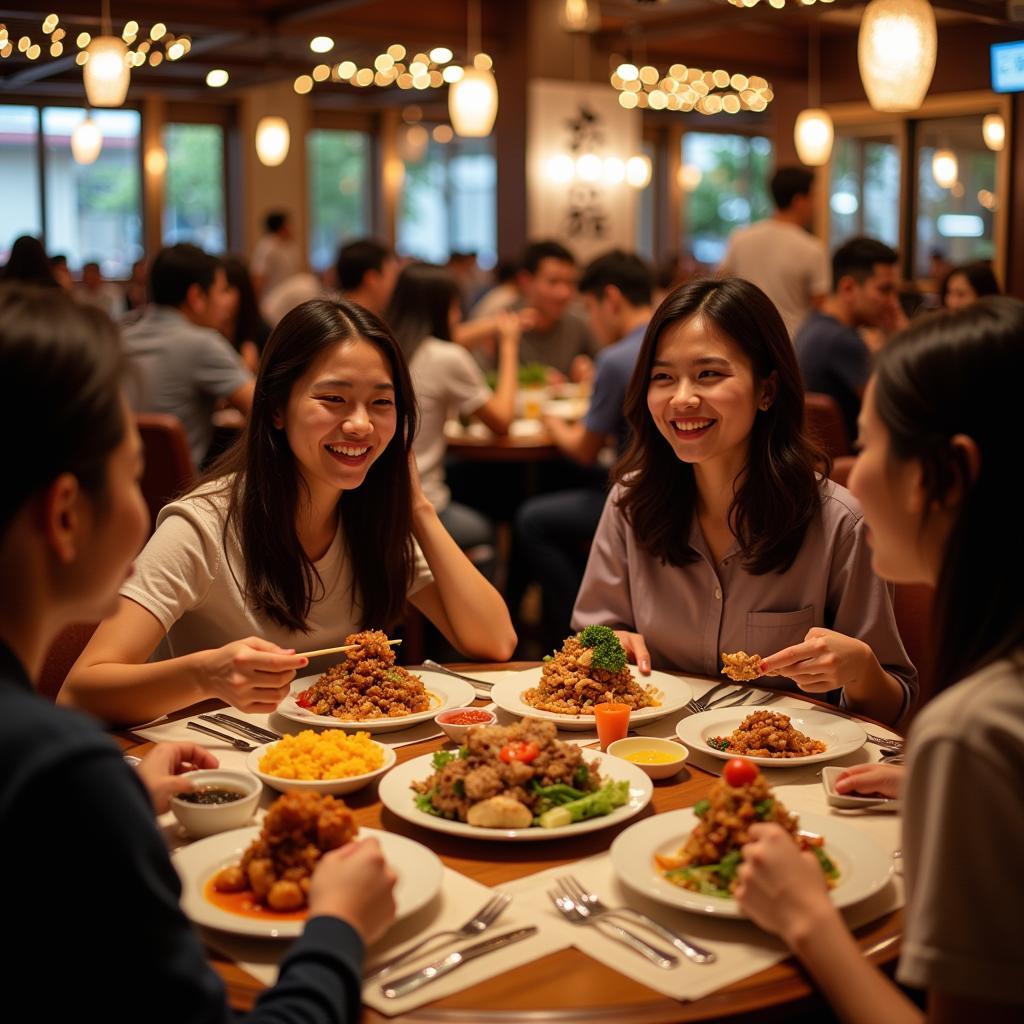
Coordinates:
768 632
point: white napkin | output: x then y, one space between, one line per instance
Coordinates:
459 899
742 948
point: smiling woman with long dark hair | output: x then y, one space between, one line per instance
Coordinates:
312 527
719 535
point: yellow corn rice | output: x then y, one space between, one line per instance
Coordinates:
311 755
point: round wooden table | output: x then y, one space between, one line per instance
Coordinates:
569 987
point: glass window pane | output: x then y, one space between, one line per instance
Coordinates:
449 202
339 191
19 175
645 207
956 218
732 190
864 193
194 186
94 211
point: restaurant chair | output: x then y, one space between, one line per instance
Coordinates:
841 468
62 655
823 420
169 466
913 605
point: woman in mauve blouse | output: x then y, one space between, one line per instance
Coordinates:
719 535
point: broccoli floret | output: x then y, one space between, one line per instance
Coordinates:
608 652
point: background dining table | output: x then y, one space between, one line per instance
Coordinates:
568 987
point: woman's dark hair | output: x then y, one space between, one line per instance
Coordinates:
960 373
249 322
29 264
421 305
281 581
67 355
778 495
980 277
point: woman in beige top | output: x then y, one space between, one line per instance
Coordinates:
313 526
718 535
932 476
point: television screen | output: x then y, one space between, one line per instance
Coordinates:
1008 67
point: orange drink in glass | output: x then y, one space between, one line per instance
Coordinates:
612 721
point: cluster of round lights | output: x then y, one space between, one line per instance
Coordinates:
685 88
395 66
777 4
152 47
590 169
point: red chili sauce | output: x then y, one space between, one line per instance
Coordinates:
467 717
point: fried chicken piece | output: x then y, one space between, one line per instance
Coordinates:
230 879
741 667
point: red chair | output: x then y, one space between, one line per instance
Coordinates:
169 466
841 468
823 420
913 605
61 656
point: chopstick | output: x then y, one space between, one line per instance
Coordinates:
339 650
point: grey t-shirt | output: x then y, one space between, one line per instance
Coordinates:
559 345
180 369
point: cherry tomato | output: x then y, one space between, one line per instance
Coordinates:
740 771
519 751
304 699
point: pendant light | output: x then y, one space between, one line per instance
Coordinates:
945 168
272 140
993 131
813 132
896 53
86 141
106 73
473 99
580 16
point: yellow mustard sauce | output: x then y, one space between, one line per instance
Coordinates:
651 757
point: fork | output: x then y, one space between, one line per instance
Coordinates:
699 704
485 683
579 913
592 902
480 921
223 736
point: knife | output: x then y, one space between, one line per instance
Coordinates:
255 732
411 982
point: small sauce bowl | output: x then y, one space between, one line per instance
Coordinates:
207 819
664 759
456 730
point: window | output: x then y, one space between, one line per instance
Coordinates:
93 211
194 186
449 202
646 230
339 191
955 218
864 193
732 189
19 175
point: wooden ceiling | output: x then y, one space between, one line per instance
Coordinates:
258 41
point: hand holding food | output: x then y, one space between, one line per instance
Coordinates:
780 887
163 769
355 883
252 675
741 667
870 779
826 660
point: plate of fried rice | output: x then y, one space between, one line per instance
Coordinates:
771 737
368 690
590 669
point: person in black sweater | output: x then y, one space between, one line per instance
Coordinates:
85 877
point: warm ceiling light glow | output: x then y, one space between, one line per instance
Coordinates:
156 161
33 51
473 103
579 16
413 143
303 84
321 44
896 53
689 177
561 169
272 140
441 55
158 31
86 141
452 73
176 50
993 131
813 135
614 170
106 73
483 62
321 73
50 23
589 168
131 29
396 51
443 134
945 168
216 78
83 40
628 72
638 171
346 69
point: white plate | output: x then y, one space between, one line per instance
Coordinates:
444 692
841 736
673 692
419 880
334 787
396 795
864 867
850 801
